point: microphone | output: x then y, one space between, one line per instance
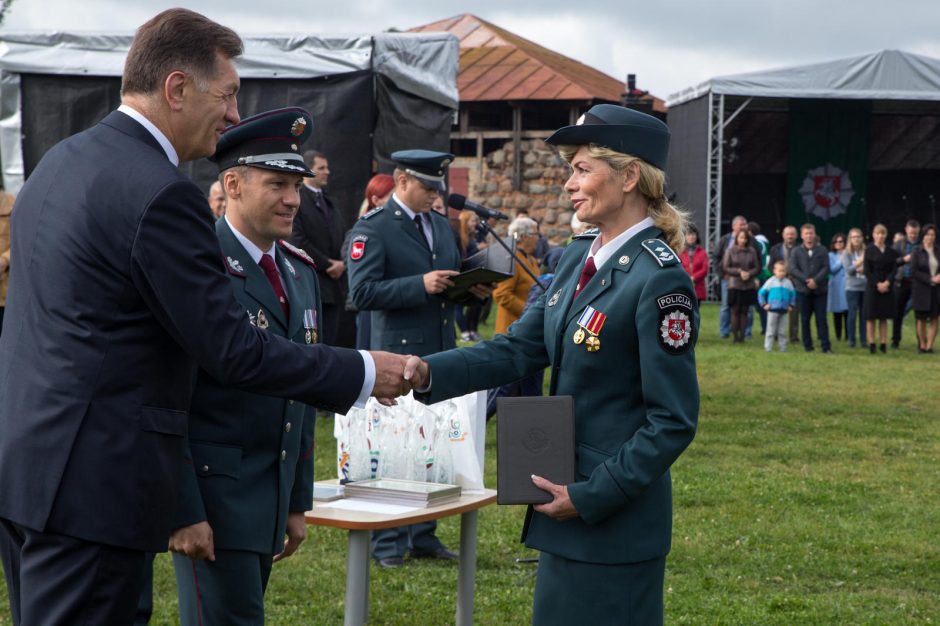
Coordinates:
460 202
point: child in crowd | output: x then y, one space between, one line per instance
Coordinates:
778 297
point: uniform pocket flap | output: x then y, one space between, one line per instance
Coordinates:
164 421
589 458
212 460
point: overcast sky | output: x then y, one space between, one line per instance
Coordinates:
669 44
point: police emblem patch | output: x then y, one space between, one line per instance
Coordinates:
358 247
676 332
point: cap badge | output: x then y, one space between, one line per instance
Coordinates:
297 128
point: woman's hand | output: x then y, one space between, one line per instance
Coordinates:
561 507
884 286
745 274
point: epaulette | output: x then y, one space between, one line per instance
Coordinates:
372 213
588 234
297 252
661 251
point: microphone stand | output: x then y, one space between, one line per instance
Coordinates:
489 230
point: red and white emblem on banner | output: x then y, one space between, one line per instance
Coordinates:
826 191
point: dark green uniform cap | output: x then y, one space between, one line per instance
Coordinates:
427 166
269 140
621 129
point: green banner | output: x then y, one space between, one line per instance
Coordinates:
827 175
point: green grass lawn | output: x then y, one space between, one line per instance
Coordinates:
811 495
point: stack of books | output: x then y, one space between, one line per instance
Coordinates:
406 492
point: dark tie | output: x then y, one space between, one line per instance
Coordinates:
321 204
267 264
420 224
587 272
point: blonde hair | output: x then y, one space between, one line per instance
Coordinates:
673 221
880 228
849 247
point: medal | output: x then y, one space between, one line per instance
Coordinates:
578 336
591 322
310 324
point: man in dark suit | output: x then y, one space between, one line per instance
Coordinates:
401 260
781 252
906 248
809 269
319 230
249 480
118 292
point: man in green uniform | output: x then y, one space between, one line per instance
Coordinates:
401 259
251 473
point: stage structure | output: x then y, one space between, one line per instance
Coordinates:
843 143
369 95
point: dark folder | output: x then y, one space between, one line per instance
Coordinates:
493 264
534 435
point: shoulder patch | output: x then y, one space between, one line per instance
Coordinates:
234 266
297 252
661 251
372 213
357 247
675 314
588 234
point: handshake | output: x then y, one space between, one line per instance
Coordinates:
396 375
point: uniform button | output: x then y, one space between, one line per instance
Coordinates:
443 305
283 454
290 402
434 256
444 322
287 427
205 468
404 341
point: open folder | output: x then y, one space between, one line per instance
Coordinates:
490 265
534 435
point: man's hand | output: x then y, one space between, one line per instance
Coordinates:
335 269
438 280
296 533
766 307
811 283
389 377
193 541
417 372
561 507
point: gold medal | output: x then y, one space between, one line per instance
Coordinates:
593 344
579 336
314 333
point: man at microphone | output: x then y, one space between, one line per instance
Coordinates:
401 260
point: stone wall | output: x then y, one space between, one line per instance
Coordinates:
543 177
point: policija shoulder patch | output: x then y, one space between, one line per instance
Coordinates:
676 332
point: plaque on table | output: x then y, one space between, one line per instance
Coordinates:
534 435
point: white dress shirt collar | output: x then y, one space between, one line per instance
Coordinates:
603 253
138 117
254 251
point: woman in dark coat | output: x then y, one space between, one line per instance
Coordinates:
881 263
925 289
740 266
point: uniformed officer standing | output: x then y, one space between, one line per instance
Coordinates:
401 258
617 326
251 473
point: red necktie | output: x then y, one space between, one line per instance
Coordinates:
587 272
267 264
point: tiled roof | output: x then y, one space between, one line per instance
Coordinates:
496 64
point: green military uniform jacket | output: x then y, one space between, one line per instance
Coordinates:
252 455
388 258
636 397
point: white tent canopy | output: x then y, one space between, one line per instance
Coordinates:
885 75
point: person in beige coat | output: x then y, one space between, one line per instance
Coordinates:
6 209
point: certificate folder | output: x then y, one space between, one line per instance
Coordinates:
534 435
493 264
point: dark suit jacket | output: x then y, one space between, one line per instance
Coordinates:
388 280
118 293
320 234
636 398
804 267
922 289
252 455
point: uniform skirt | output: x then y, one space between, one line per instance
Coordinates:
573 592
